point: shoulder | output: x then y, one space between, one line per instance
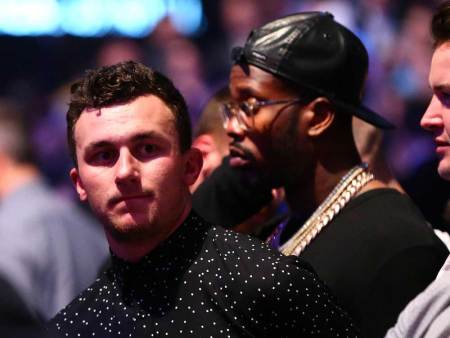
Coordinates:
245 247
389 218
82 304
386 198
388 222
270 285
258 267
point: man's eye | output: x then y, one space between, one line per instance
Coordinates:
444 98
147 149
102 157
247 108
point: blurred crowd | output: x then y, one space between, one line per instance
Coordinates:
37 71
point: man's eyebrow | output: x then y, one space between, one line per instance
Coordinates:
442 87
245 92
99 144
135 138
146 135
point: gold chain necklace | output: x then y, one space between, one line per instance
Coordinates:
347 187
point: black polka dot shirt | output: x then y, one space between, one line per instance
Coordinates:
205 281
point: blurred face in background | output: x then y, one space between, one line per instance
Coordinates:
437 116
214 147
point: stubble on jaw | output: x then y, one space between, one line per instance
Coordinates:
132 234
285 156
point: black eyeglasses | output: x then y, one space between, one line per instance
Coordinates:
245 111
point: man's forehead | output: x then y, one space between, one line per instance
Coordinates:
125 121
241 70
255 80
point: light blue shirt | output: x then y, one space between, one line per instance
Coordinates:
50 250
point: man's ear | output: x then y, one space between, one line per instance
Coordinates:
76 180
205 143
322 116
193 165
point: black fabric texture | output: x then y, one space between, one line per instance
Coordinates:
206 281
376 256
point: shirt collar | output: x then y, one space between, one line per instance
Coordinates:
167 259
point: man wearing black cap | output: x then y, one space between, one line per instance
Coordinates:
295 86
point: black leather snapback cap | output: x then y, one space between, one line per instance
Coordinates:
312 50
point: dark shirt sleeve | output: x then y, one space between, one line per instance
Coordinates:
230 195
396 283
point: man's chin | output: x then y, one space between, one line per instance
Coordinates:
129 233
129 228
444 170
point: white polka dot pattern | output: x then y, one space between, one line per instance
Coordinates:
205 281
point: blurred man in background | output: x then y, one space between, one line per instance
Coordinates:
210 137
49 249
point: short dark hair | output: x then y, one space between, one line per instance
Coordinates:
122 83
440 24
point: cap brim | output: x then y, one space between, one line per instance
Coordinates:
239 57
365 114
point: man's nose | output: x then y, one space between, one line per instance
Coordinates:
432 118
233 128
127 168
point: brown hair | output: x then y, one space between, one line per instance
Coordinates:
440 24
122 83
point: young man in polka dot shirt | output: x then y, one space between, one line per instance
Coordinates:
172 273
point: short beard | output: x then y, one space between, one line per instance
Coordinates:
134 234
285 155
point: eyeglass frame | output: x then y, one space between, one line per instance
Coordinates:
246 110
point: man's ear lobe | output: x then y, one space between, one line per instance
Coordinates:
322 117
76 180
205 143
193 165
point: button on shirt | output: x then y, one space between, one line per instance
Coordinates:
205 281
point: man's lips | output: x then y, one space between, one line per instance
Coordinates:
127 198
236 152
238 157
441 143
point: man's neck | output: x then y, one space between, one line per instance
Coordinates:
133 251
